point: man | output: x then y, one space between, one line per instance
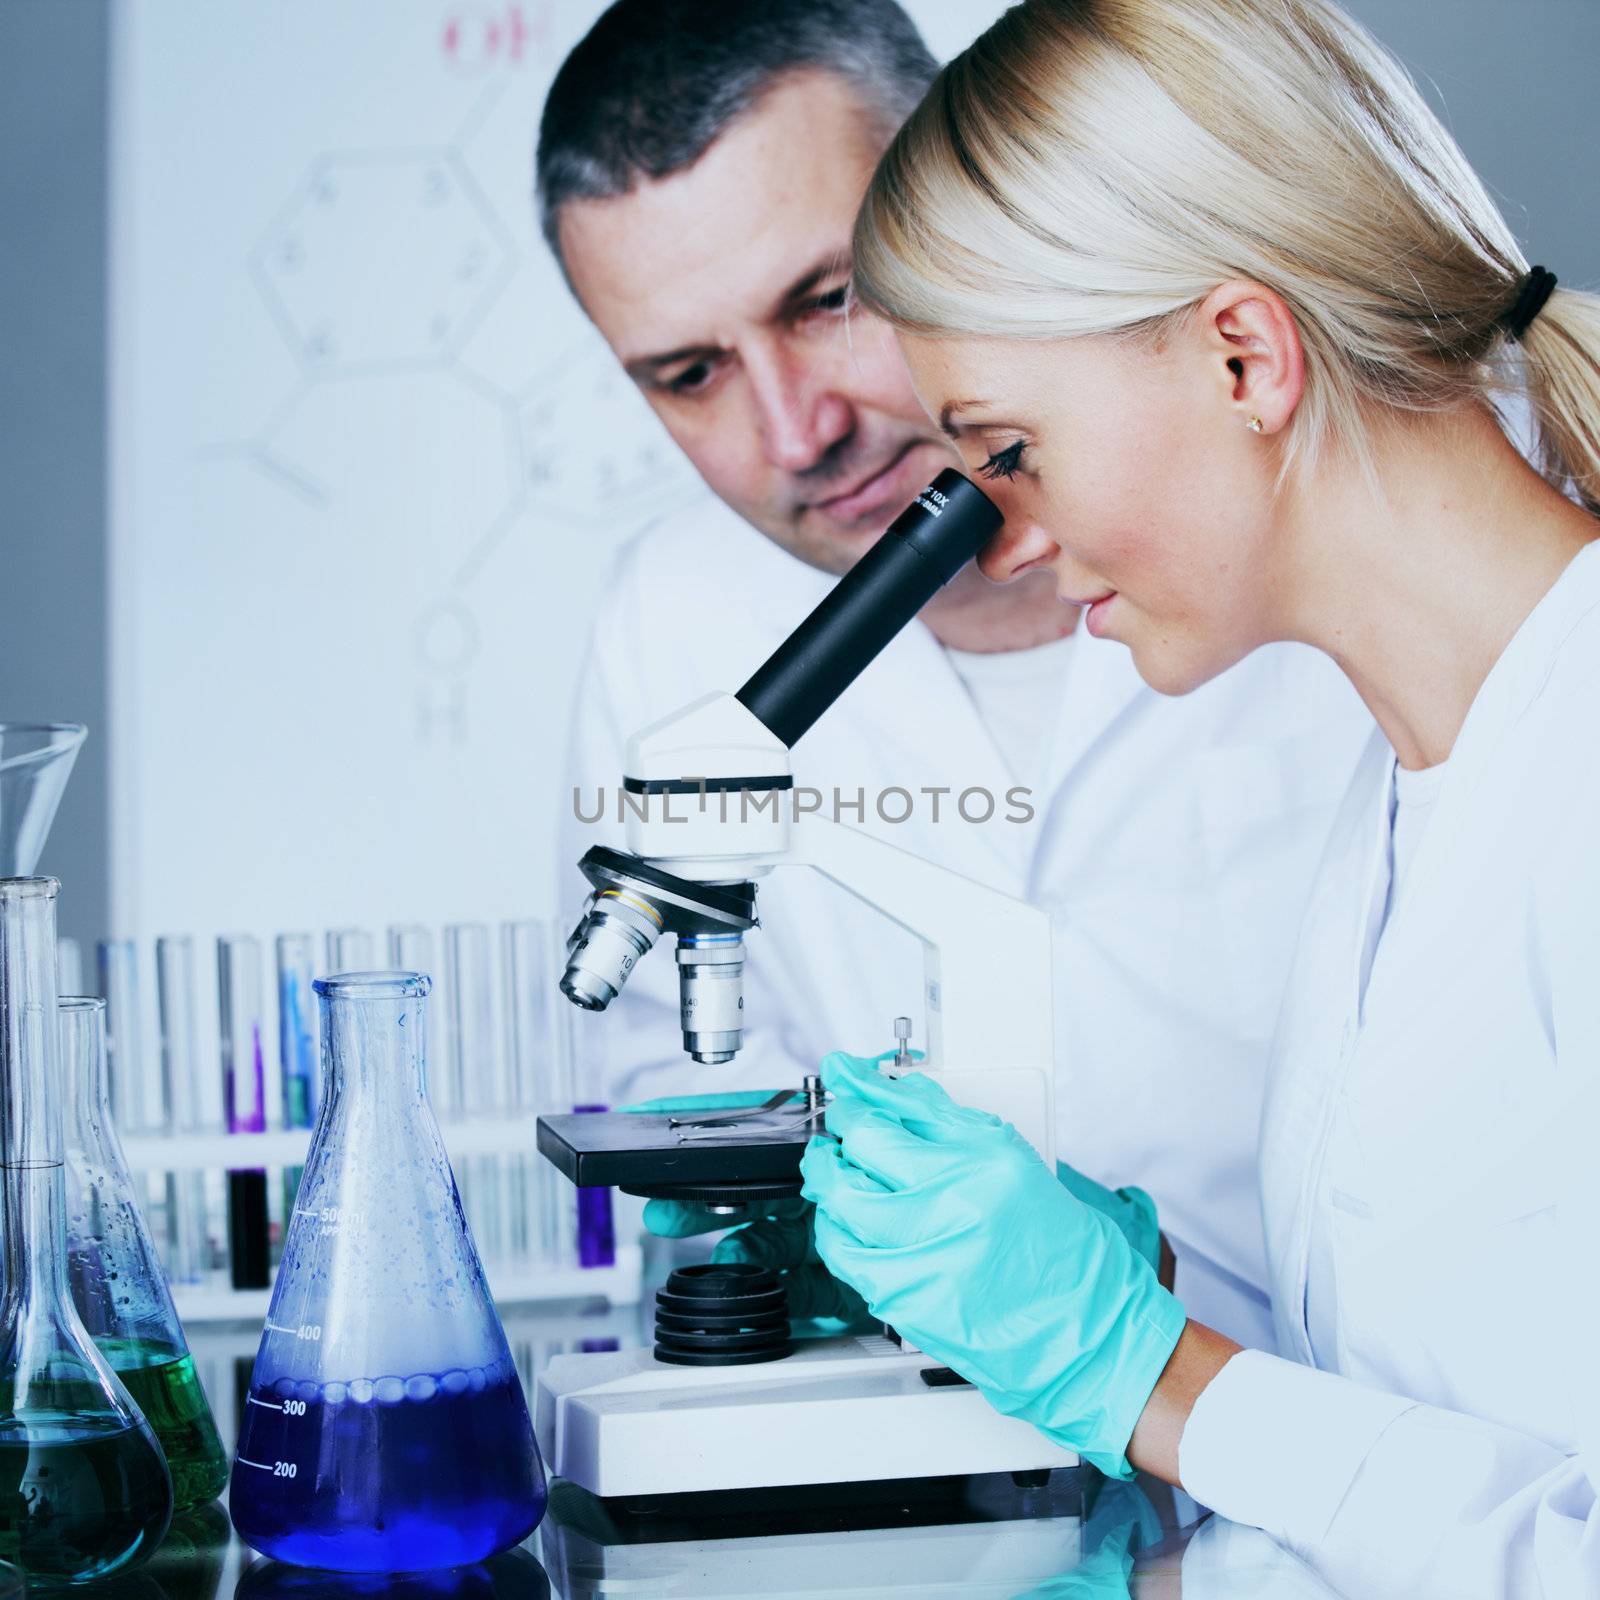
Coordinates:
699 167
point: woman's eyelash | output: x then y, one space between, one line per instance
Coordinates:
1003 463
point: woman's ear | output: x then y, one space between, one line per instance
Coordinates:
1253 345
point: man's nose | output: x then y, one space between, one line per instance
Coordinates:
799 409
1013 547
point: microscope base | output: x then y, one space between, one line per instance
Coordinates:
836 1411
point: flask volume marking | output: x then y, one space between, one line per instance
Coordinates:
290 1408
306 1330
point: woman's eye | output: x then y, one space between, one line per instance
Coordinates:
833 300
1003 463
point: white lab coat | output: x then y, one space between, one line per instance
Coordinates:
1445 1130
1174 850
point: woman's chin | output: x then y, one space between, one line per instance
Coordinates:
1171 670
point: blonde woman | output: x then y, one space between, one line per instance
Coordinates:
1209 298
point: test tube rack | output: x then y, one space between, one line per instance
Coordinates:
513 1280
190 1062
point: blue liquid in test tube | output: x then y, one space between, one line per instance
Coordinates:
297 1043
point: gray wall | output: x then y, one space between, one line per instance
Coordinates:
53 77
1515 83
1512 77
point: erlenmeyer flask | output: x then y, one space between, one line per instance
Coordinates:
83 1484
385 1429
117 1283
35 762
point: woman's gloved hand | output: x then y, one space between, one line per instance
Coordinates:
957 1235
1133 1211
777 1234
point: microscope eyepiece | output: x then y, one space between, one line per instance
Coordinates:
924 547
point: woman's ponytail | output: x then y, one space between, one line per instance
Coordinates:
1561 354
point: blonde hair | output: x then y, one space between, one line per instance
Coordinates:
1099 166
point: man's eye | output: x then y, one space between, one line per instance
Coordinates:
690 379
1003 463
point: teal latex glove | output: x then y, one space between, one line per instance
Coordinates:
778 1234
956 1233
1133 1211
1118 1523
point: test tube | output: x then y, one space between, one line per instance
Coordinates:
596 1227
471 1060
180 1034
188 1235
558 1215
244 1099
69 966
472 1068
593 1227
411 948
138 1098
350 950
297 1045
138 1095
529 983
297 1037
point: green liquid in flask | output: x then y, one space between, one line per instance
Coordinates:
167 1390
78 1498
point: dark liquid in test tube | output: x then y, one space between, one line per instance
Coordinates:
244 1099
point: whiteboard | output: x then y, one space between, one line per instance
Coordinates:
370 465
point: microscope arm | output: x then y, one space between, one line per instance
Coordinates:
989 1034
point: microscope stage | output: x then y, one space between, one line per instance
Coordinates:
644 1153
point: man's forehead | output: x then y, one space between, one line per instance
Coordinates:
772 198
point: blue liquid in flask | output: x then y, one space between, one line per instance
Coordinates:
385 1429
388 1475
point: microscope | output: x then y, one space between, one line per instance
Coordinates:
726 1401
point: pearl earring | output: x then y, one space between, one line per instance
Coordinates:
1253 424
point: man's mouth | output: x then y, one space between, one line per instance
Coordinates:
868 494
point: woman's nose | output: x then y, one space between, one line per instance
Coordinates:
1017 545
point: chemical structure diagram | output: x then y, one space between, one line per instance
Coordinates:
376 272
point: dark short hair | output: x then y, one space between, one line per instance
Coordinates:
654 82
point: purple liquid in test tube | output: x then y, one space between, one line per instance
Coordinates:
597 1234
